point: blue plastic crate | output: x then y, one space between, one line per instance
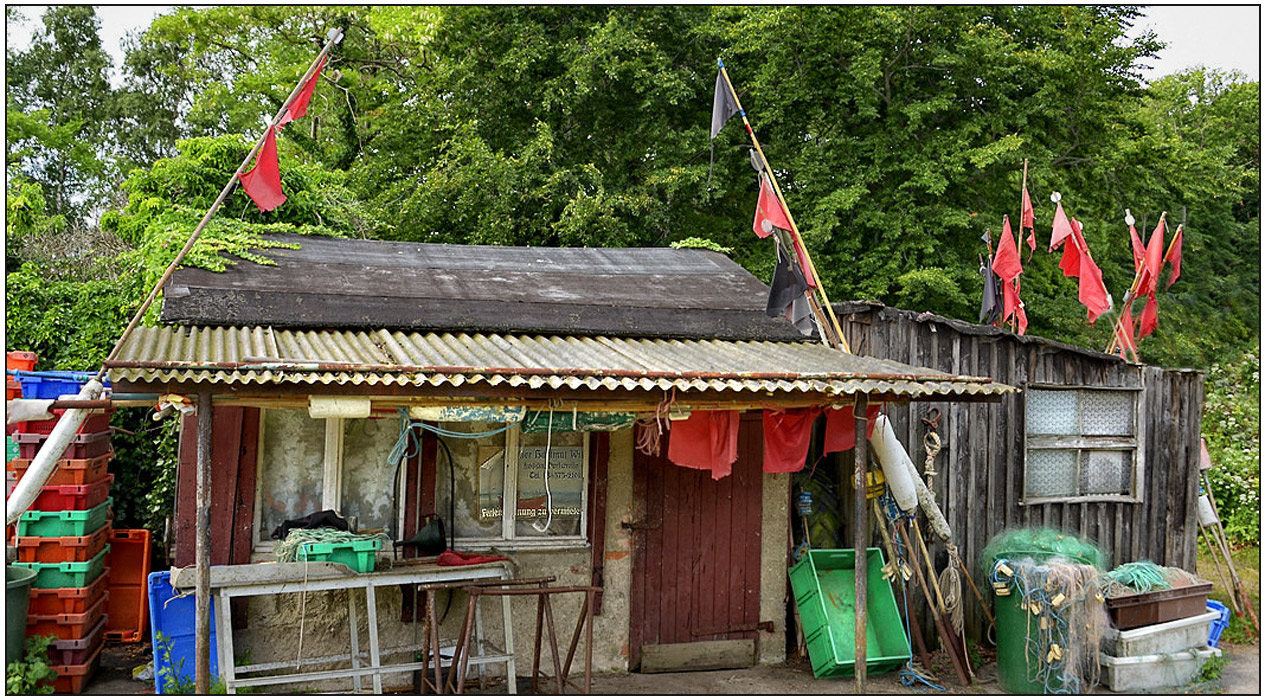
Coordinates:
173 616
1217 626
51 384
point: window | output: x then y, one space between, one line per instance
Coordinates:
550 507
1082 444
311 464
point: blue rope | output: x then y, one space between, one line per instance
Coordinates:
407 444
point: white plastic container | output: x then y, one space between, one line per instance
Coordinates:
1131 674
1164 638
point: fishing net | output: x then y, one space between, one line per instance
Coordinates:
1066 618
1144 576
1040 544
288 549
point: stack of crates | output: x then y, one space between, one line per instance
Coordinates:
64 536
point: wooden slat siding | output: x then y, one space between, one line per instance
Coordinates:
753 509
636 585
244 515
702 570
599 458
186 493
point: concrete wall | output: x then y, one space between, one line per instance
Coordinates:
274 631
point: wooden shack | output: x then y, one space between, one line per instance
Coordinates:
1091 444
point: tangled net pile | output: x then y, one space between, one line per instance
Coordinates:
1057 580
1144 576
289 548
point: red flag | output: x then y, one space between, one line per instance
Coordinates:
1022 317
769 213
263 182
1010 299
1070 264
1150 318
298 107
1139 250
1124 332
1006 264
1092 293
1175 256
1028 220
1154 260
1062 229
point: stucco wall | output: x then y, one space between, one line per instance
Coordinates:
274 631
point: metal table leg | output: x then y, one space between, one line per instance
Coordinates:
507 621
371 603
355 638
224 633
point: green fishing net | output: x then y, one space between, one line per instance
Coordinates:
1041 544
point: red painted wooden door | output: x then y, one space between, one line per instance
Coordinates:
696 548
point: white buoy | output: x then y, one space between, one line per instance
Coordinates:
1207 518
895 462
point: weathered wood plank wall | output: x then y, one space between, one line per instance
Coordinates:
979 484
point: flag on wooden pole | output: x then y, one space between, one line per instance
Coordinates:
1028 220
298 107
263 182
1174 256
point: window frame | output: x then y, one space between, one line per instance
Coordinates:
509 539
1136 445
331 479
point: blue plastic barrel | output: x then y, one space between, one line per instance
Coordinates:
1217 626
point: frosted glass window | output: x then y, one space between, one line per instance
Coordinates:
1080 443
1052 412
291 474
369 484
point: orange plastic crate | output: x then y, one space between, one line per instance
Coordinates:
72 679
68 601
129 593
67 626
59 549
22 360
12 389
70 472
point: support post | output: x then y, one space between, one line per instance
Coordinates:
859 527
202 551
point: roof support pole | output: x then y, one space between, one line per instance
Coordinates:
859 538
202 550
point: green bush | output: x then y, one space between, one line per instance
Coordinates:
32 675
1232 428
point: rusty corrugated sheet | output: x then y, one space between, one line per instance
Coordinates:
261 355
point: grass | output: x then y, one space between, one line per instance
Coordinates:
1247 561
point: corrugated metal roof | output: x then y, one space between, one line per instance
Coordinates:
260 355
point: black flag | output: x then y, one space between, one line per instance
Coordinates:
723 104
991 306
786 293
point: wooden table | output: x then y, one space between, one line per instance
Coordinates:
238 581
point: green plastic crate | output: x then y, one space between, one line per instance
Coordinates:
63 523
67 574
825 595
359 555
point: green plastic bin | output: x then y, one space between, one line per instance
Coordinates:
66 574
17 601
63 523
824 585
1013 622
360 555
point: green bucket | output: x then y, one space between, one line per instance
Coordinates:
17 601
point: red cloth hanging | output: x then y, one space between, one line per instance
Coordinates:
769 213
1028 220
1175 257
1062 227
1006 263
454 558
298 107
263 182
786 437
1150 319
841 427
707 440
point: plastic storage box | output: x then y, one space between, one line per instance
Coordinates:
360 555
825 593
69 471
82 446
73 496
63 601
63 523
77 652
68 626
1164 638
96 422
51 384
21 360
1218 625
1133 674
33 550
72 679
1142 609
129 570
66 574
172 617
